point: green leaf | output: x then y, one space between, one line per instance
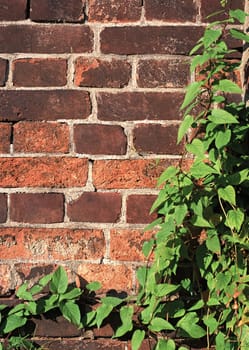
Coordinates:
200 221
72 294
137 338
220 116
220 341
88 319
188 324
158 324
102 313
223 137
165 289
192 91
13 322
180 213
196 147
227 194
59 281
113 301
213 242
227 85
147 247
37 288
71 312
165 344
238 14
197 306
234 219
126 313
22 292
142 275
93 286
200 170
170 172
185 125
238 34
211 323
210 36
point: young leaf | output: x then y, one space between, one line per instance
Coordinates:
72 294
147 247
158 324
165 344
192 91
223 137
13 322
126 313
238 14
59 281
226 85
164 289
93 286
238 34
211 323
113 301
227 194
210 36
220 341
220 116
167 174
190 327
102 313
196 147
213 242
137 338
22 292
185 125
71 312
235 219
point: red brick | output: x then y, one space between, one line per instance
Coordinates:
3 71
211 6
101 73
100 139
34 137
52 10
51 244
5 135
3 208
139 106
117 277
44 105
31 272
43 172
86 344
138 209
167 73
114 10
149 39
6 280
55 38
171 10
37 208
13 10
131 242
127 174
95 207
159 139
39 72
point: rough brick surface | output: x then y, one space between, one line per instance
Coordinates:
52 10
51 244
114 10
138 209
54 38
5 282
99 73
159 139
149 40
139 105
171 10
39 72
3 71
42 208
33 137
12 10
212 6
100 139
44 105
3 207
163 73
5 133
43 172
95 207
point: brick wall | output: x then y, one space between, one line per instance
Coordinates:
89 109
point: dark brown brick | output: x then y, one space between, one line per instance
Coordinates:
39 72
86 344
139 105
37 208
54 10
149 39
3 207
138 209
159 139
100 139
55 38
5 135
44 105
13 10
95 207
211 6
163 73
99 73
171 10
114 10
3 71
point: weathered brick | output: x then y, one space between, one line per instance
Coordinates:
118 174
171 10
163 73
34 137
39 72
149 39
3 71
100 139
87 344
44 105
3 208
211 6
139 106
5 135
95 207
114 10
13 10
131 242
51 244
117 277
52 10
37 208
31 272
94 72
138 209
5 280
43 172
55 38
157 138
